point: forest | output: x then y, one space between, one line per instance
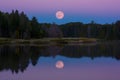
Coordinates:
17 25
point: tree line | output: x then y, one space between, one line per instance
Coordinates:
18 25
92 30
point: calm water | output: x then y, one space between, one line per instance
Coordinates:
79 62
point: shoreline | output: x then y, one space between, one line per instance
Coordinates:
48 41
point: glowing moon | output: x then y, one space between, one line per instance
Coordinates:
59 64
59 14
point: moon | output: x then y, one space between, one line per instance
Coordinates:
59 14
59 64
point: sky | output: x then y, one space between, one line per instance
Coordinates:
100 11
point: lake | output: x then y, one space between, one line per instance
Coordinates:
60 62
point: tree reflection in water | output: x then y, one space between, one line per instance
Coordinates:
17 58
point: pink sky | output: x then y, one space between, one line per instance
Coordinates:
104 8
71 6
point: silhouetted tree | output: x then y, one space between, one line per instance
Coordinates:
17 25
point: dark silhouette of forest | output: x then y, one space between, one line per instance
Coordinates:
17 25
92 30
17 58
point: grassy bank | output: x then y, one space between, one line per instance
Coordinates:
47 41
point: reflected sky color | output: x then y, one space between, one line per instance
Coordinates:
74 69
102 11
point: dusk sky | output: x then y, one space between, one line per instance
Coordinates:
101 11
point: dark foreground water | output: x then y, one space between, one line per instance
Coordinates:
77 62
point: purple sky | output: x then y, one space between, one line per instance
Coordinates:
101 11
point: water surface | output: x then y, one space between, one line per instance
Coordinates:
81 62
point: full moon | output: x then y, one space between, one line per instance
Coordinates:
59 14
59 64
